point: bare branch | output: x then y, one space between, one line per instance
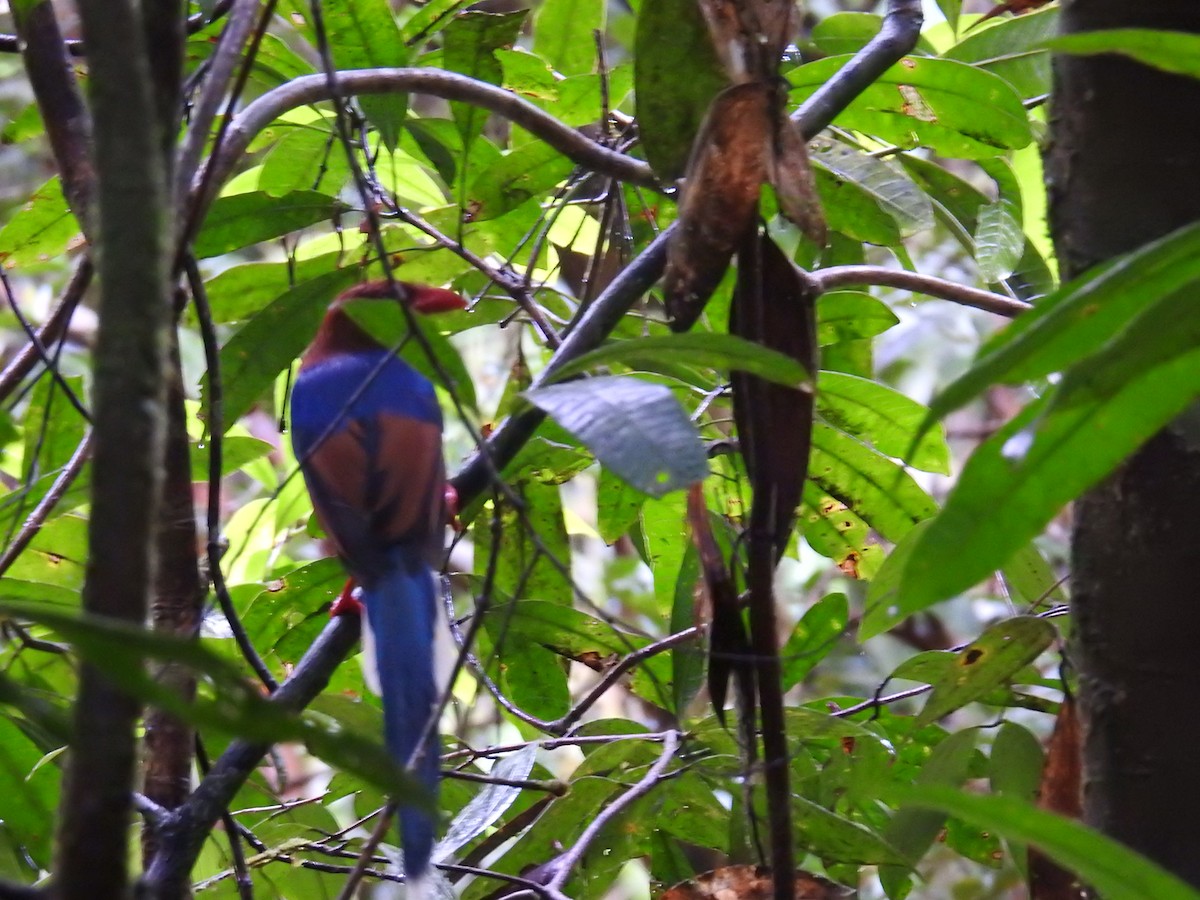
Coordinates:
845 276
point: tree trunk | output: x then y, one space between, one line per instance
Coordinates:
1121 171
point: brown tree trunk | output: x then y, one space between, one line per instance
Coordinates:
1122 170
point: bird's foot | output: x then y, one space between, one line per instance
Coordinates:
347 602
452 509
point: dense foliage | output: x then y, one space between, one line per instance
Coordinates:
920 596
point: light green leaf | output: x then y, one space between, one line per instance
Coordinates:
564 34
884 417
1177 52
999 241
887 188
242 220
955 109
1012 48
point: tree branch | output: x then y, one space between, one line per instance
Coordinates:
132 232
845 276
447 85
68 125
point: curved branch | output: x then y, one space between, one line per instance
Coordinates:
845 276
436 82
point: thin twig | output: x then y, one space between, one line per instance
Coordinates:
41 512
571 858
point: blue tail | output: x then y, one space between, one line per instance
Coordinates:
401 607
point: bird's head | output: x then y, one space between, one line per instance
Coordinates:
419 298
341 333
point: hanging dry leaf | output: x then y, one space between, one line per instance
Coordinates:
720 198
753 883
792 177
729 645
749 35
774 307
1061 792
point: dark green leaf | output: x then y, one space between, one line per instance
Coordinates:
1012 49
241 220
868 484
814 636
526 174
635 428
912 831
268 343
851 315
236 708
889 420
675 81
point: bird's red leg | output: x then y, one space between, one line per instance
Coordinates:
452 509
346 603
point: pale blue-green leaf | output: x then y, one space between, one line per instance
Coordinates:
886 184
999 241
635 428
489 804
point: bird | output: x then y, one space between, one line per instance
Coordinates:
367 432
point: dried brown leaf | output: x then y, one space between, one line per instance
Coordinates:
753 883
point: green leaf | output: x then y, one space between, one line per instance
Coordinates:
871 486
40 230
470 40
851 316
241 220
912 831
266 345
239 292
617 506
304 159
635 428
429 19
1114 870
30 796
885 188
999 241
236 708
987 662
564 32
1048 455
1012 48
1015 764
814 636
1082 317
834 837
954 109
527 75
845 32
723 351
363 35
687 660
1030 578
887 606
1177 52
524 175
951 9
675 81
884 417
